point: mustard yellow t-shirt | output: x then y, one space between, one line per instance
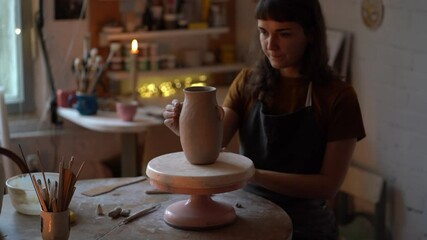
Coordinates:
335 104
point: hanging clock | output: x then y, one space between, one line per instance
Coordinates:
372 13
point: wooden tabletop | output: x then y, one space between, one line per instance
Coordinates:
257 218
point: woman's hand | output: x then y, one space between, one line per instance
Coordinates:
171 115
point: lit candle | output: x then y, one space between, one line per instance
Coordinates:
133 66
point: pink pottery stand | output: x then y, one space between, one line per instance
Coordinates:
173 173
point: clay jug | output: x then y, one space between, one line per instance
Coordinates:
200 125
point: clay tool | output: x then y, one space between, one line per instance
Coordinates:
108 188
133 217
156 191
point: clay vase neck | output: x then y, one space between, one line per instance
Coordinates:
201 125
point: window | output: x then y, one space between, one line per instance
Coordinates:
16 69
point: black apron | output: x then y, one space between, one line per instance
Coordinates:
289 143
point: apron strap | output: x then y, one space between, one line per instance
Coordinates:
308 99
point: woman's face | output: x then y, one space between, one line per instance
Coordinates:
284 44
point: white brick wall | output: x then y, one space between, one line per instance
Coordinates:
389 72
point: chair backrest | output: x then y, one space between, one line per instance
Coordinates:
362 184
20 163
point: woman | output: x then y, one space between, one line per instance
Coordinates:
297 120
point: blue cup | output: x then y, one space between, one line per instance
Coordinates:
86 104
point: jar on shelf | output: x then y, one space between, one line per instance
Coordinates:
143 49
153 50
157 20
192 58
163 62
216 19
170 21
116 63
126 64
171 61
154 63
209 58
143 64
228 54
131 21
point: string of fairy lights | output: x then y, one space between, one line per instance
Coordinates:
169 88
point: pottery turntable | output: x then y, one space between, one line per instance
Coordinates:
173 173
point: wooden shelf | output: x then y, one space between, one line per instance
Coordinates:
105 38
214 37
122 75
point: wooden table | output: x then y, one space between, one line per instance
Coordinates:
257 218
105 121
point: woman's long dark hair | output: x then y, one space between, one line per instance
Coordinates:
314 67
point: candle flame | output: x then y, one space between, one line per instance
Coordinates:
134 46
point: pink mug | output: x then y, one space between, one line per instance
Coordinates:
66 98
126 110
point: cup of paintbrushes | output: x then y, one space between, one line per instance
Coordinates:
55 225
55 214
54 198
86 104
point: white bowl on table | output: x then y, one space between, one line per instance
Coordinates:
22 193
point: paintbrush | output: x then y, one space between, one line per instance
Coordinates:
93 74
44 176
57 197
33 181
114 47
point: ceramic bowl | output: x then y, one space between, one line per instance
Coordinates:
126 110
22 193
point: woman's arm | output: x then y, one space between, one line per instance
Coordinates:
231 123
171 115
323 185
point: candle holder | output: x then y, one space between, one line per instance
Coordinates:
133 68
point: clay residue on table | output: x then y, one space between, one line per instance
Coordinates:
257 218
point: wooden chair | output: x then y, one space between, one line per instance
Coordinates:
366 186
15 158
